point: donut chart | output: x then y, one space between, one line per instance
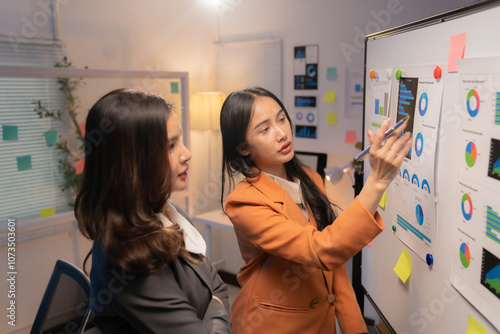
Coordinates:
426 186
470 154
473 103
465 255
467 206
406 175
419 144
422 104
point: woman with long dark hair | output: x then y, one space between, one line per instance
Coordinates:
294 246
149 271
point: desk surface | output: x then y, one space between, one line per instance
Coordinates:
214 218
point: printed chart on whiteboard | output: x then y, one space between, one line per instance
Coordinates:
476 260
419 96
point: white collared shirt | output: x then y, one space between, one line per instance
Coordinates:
293 189
192 238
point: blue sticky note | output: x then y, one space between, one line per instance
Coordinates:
174 87
51 137
331 73
357 88
9 132
23 162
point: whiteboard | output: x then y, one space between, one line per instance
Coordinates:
428 302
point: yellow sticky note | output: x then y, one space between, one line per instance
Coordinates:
47 212
330 97
475 327
383 200
331 118
403 267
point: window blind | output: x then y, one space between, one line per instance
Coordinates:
29 175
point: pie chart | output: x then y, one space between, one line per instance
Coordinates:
465 255
419 214
470 154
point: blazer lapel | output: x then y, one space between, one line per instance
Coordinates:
284 203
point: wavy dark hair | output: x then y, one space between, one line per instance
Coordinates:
126 181
235 116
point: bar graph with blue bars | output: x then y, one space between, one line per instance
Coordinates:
409 227
406 103
497 109
492 225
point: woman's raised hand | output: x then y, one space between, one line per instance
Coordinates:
385 160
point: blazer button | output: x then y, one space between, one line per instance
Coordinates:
331 299
313 304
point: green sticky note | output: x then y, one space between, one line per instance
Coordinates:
174 87
330 97
331 73
47 212
23 162
404 265
51 137
331 118
475 327
9 132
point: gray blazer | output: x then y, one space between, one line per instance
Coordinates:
176 299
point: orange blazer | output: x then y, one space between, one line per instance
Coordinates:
295 279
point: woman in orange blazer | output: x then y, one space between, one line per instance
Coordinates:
294 279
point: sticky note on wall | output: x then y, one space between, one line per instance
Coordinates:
403 266
350 137
331 73
174 87
331 118
47 212
79 165
330 97
23 163
475 327
9 132
457 51
51 137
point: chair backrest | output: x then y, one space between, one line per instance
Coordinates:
65 307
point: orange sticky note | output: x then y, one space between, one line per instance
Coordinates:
404 266
457 51
350 137
47 212
79 166
82 129
331 118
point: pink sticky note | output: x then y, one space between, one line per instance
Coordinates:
350 137
370 244
82 129
79 166
457 51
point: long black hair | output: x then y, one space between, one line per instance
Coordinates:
235 116
126 181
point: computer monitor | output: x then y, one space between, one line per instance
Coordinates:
316 161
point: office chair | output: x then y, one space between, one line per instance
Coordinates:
65 307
